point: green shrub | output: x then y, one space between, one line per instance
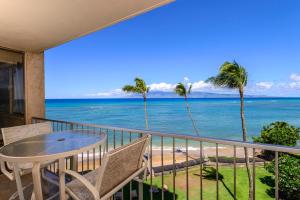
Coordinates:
280 133
289 176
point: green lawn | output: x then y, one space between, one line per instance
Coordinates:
209 185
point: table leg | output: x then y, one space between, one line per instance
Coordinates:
36 177
18 181
32 196
62 190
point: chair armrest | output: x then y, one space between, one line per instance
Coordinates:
8 174
85 182
138 179
145 160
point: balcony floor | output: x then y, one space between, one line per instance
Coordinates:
8 188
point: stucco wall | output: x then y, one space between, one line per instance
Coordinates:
34 86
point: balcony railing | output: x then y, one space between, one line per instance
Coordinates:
190 159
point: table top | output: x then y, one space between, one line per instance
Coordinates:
51 146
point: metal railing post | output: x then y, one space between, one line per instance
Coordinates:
276 176
133 134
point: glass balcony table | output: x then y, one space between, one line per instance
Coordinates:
47 147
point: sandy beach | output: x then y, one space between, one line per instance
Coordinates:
193 154
167 156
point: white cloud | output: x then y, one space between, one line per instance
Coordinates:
201 85
112 93
157 87
295 85
265 85
286 88
295 77
165 87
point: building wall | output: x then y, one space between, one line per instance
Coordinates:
34 86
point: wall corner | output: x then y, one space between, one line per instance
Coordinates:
34 78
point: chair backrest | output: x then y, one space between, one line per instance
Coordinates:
13 134
119 164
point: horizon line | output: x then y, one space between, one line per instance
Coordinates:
251 97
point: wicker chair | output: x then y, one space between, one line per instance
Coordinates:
13 134
119 167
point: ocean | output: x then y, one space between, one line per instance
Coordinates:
218 118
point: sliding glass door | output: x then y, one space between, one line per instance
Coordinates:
4 85
12 106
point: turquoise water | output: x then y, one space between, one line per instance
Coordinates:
218 118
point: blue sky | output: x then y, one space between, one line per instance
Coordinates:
188 39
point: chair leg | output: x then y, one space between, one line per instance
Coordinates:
44 177
141 192
141 184
18 181
49 180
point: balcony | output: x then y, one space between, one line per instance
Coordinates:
180 166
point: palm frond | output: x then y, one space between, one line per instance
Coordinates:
129 88
231 75
210 80
141 85
180 89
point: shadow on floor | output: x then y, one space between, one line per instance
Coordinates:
8 188
157 194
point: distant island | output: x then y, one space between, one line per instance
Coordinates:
159 94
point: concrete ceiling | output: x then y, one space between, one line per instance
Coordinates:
37 25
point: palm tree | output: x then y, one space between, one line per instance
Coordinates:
183 91
233 76
140 87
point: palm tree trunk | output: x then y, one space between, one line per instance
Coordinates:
190 115
146 113
250 179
